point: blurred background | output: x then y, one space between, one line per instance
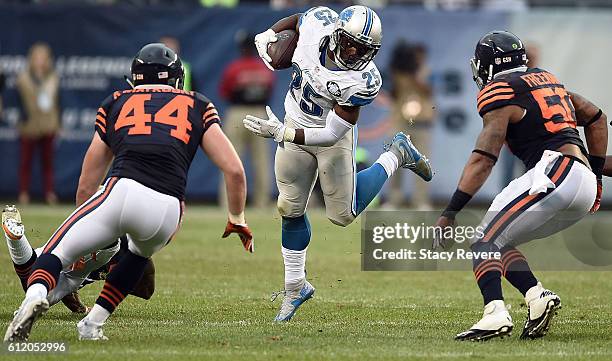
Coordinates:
59 59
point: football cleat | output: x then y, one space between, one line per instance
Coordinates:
543 306
495 322
409 156
24 318
11 223
89 330
293 300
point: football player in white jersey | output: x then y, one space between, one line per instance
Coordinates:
333 77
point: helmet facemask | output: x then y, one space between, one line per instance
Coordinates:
350 52
481 76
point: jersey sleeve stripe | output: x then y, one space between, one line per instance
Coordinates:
211 123
211 119
494 99
367 94
495 91
500 91
210 113
102 128
102 111
101 119
359 101
492 86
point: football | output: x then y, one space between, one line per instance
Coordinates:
281 51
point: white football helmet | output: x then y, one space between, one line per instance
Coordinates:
357 27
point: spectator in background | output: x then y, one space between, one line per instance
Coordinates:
38 87
412 112
247 85
175 45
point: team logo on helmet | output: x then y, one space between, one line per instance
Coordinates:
346 15
333 88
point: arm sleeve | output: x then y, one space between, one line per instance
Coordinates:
335 128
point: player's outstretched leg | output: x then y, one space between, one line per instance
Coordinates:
295 239
20 250
45 274
542 303
400 153
119 283
496 320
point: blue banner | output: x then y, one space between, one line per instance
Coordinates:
93 47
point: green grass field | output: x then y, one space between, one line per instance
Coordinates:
212 302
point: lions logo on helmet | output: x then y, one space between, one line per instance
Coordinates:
356 38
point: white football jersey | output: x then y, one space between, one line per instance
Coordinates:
314 89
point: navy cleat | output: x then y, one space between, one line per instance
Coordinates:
293 300
409 156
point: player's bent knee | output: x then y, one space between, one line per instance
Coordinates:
342 220
289 209
146 285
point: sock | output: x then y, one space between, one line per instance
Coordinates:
121 280
488 272
45 271
389 162
24 270
296 232
295 263
36 291
98 314
516 270
371 180
19 249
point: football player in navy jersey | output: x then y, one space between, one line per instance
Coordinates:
150 134
530 110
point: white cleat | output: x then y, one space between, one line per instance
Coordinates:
543 306
89 330
495 322
11 223
24 318
292 301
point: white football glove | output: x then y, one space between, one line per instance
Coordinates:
261 43
267 128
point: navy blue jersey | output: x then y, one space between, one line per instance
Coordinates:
550 118
154 134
